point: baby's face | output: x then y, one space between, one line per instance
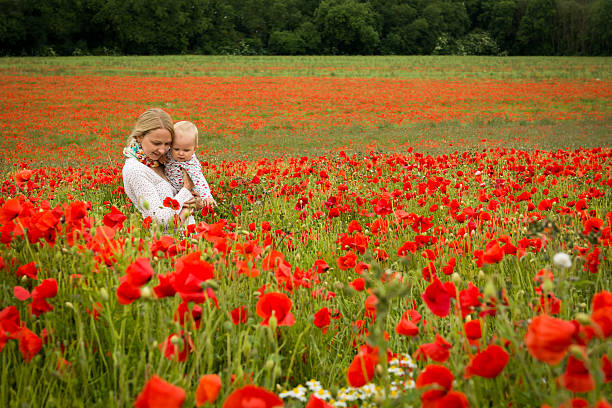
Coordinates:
183 147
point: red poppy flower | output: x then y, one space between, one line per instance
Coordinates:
347 261
358 284
548 338
438 351
114 218
127 293
275 304
473 331
157 393
240 315
606 367
30 270
437 298
407 325
9 210
177 346
438 379
165 288
139 272
488 363
361 369
493 253
252 396
322 319
21 293
208 389
601 313
576 377
315 402
170 202
29 343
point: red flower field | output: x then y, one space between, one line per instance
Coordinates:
362 253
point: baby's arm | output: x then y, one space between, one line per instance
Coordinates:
194 169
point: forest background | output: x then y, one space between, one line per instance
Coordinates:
305 27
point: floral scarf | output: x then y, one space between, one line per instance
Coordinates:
135 150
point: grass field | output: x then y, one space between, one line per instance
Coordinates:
429 231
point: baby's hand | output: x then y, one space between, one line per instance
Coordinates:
210 202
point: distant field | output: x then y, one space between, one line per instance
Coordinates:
81 109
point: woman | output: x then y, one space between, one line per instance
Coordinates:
143 175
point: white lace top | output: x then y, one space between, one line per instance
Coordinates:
142 185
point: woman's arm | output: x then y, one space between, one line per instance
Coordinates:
147 197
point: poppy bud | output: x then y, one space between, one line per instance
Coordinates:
273 321
246 347
269 365
145 292
176 340
578 353
584 319
145 205
456 278
210 283
277 371
548 286
103 294
228 326
489 290
69 305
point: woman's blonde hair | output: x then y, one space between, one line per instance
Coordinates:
150 120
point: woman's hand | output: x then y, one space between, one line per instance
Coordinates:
187 183
210 202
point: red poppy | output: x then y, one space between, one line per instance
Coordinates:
358 284
165 288
438 380
601 313
139 272
9 210
488 363
407 325
437 298
548 338
322 319
576 377
127 293
30 270
493 253
347 261
252 396
114 218
606 367
473 331
177 346
438 351
157 393
315 402
29 343
170 202
240 315
208 389
21 293
275 304
361 370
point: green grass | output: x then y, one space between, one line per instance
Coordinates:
428 67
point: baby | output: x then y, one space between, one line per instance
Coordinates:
182 156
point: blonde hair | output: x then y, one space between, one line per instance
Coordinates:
150 120
187 128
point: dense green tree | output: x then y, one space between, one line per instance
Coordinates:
347 27
74 27
534 36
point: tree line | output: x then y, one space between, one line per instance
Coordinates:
299 27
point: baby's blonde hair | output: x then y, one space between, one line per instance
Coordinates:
150 120
187 128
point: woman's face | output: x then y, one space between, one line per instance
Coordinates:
156 143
